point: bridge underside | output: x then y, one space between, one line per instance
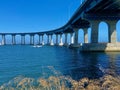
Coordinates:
81 24
108 6
109 9
68 30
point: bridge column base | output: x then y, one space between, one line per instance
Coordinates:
56 44
51 44
75 45
61 44
66 44
104 47
43 43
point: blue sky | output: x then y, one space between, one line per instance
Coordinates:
35 15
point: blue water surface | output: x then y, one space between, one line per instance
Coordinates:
34 62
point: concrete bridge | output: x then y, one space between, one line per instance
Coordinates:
88 15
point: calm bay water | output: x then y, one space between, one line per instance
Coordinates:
48 61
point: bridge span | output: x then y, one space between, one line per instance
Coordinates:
88 15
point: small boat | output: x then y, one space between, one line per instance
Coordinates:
37 46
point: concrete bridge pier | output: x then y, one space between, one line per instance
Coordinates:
112 31
56 39
13 40
93 45
3 39
94 31
48 39
61 40
71 38
76 36
74 41
66 43
43 40
51 40
112 44
22 39
39 39
31 39
85 35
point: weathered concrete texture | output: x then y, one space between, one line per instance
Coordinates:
100 47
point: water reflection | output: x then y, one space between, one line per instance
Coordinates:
88 64
114 62
90 61
79 65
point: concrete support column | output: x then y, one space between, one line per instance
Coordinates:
51 40
76 36
39 40
112 31
31 39
71 38
48 39
3 40
13 40
85 35
61 42
23 39
94 31
66 43
42 39
56 39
